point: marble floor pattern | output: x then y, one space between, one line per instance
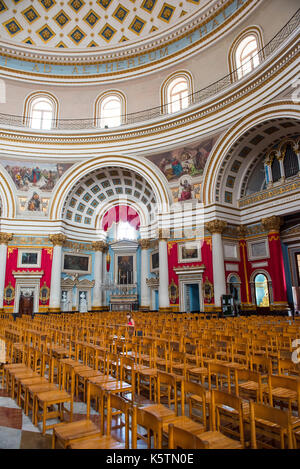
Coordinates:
18 432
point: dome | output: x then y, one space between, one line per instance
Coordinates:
81 24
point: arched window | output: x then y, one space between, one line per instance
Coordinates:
124 230
41 114
290 162
262 296
41 111
276 172
246 52
176 92
110 110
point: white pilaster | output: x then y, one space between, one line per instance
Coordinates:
55 287
164 302
145 291
98 246
4 239
216 227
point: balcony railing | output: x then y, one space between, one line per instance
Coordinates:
156 112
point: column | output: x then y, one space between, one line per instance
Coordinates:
99 247
4 239
216 227
282 171
145 292
57 240
163 290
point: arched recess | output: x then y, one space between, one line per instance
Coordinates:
7 196
269 283
142 166
120 96
275 110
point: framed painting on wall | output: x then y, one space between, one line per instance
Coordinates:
29 258
77 263
154 261
189 252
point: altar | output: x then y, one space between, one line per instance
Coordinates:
122 302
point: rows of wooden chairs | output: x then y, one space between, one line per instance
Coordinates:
237 386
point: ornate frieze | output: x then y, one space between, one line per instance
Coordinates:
99 246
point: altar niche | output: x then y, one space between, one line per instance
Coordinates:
124 297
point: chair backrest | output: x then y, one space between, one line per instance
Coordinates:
248 375
169 380
218 370
221 400
188 387
179 437
151 423
282 418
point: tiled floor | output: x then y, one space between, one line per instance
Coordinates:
18 432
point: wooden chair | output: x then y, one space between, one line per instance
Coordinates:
228 411
107 441
74 432
167 386
222 376
199 399
269 426
151 423
286 391
248 385
180 438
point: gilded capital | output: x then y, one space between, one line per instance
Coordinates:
163 234
216 226
5 238
271 224
57 239
99 245
144 243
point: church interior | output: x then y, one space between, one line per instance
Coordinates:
150 247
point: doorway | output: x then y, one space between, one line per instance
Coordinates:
192 301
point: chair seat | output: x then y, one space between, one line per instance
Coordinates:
55 395
283 393
148 372
104 442
198 371
253 386
184 423
75 430
160 411
217 440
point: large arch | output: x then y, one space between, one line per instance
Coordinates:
7 196
145 168
282 109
